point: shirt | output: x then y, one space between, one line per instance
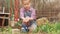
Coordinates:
33 13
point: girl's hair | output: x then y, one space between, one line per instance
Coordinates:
25 0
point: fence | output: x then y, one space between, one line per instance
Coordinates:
45 8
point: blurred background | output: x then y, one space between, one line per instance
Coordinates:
44 8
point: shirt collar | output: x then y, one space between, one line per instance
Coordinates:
29 9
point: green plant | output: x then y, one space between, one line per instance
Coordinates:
36 30
46 28
18 23
9 30
49 28
6 30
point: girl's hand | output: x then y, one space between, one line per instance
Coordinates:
25 19
29 18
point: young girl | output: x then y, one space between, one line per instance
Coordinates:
28 16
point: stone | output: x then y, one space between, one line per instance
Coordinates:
42 21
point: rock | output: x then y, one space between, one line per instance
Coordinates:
42 21
12 23
15 31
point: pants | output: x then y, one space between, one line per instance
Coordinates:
32 25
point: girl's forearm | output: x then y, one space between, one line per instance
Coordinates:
31 18
22 18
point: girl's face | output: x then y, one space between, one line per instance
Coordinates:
26 5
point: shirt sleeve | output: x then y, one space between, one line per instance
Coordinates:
33 15
21 14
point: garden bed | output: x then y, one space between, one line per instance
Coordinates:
49 28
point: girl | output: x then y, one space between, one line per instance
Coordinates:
28 16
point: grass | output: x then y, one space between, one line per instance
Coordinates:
48 28
6 30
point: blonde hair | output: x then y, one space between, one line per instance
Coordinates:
25 0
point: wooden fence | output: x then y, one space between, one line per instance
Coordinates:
45 8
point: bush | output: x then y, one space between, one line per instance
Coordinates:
53 28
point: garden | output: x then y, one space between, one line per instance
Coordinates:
48 28
50 9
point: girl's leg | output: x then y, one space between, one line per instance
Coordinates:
33 26
24 28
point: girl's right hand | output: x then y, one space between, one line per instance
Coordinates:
25 20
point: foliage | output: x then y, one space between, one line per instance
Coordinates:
49 28
6 30
18 23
